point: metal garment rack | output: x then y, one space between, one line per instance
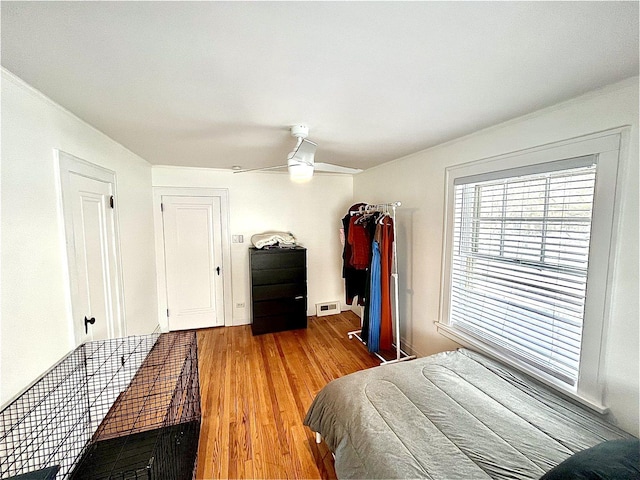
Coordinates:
388 208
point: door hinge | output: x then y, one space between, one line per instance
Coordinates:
167 312
162 207
111 201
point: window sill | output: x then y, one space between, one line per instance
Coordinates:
474 344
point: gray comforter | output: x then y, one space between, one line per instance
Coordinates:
454 415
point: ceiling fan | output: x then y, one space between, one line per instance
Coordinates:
300 161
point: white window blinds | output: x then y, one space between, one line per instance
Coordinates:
519 266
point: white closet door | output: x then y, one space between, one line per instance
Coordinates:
93 293
193 261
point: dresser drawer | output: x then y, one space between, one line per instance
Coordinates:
278 258
282 290
279 275
284 306
277 323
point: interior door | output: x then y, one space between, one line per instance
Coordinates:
193 261
93 289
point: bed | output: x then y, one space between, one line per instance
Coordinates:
453 415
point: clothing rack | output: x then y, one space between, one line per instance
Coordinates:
388 208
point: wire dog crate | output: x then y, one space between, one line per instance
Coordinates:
127 408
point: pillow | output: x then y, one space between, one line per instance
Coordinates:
615 459
44 474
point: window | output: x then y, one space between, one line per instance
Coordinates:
526 258
519 267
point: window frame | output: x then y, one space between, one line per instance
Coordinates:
607 147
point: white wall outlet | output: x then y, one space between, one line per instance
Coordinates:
237 238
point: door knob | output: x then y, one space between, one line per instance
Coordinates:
88 321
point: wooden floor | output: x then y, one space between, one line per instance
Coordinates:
156 378
255 393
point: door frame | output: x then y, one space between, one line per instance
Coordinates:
66 165
161 273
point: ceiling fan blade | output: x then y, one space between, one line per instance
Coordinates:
259 169
329 167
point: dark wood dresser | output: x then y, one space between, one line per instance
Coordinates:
278 289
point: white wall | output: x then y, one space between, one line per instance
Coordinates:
418 181
260 202
35 321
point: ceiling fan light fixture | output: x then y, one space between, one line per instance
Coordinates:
301 161
300 172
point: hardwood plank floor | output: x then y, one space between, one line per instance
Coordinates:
256 391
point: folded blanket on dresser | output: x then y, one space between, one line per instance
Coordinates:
261 240
453 415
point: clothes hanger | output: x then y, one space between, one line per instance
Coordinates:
363 218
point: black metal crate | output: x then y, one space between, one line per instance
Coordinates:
122 408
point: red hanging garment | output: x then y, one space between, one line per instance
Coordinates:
355 281
360 241
384 236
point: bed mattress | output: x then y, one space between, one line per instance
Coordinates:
453 415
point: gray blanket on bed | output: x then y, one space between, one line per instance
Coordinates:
454 415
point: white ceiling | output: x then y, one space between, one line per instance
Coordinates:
216 84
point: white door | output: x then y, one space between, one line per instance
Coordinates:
193 261
91 238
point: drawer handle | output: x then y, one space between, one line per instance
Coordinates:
300 297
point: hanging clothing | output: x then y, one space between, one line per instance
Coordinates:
370 247
360 241
364 333
373 344
384 237
355 280
346 221
369 222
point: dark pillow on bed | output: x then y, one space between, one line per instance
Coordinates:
616 459
44 474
